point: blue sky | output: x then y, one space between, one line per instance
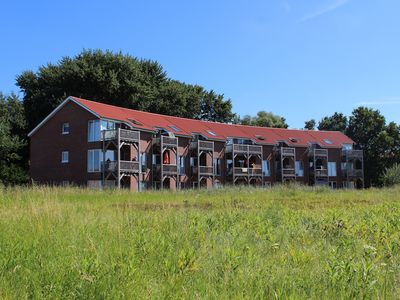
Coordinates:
299 59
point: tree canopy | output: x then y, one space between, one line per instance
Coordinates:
264 119
13 151
310 124
368 129
336 122
117 79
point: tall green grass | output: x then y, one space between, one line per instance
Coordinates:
284 242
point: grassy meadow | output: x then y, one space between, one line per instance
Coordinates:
284 242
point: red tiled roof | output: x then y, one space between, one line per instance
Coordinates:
214 130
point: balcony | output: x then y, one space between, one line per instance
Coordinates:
321 152
170 169
255 171
124 135
124 166
248 171
288 172
288 151
171 142
353 154
353 173
251 149
321 172
202 145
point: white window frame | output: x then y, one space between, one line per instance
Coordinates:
217 170
93 169
299 168
266 170
93 130
181 162
143 162
65 157
332 171
64 127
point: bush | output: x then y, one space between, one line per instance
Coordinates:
391 176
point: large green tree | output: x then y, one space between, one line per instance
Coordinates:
380 142
13 150
368 129
264 119
336 122
117 79
310 124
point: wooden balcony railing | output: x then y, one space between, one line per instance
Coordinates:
321 152
288 172
125 134
206 170
351 154
321 172
255 171
241 171
170 169
169 141
124 166
204 145
255 149
288 151
353 173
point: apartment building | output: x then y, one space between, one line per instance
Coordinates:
92 144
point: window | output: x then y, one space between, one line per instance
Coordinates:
331 169
211 133
217 166
96 126
94 131
143 161
193 161
65 183
95 158
110 155
181 165
65 128
142 186
293 140
65 157
327 141
260 137
156 159
174 128
265 168
299 168
135 122
107 125
347 147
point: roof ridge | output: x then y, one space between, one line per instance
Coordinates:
207 121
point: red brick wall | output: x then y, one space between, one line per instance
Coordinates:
47 143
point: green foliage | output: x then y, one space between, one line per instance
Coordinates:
368 129
380 142
13 145
336 122
117 79
309 125
391 176
264 119
284 243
